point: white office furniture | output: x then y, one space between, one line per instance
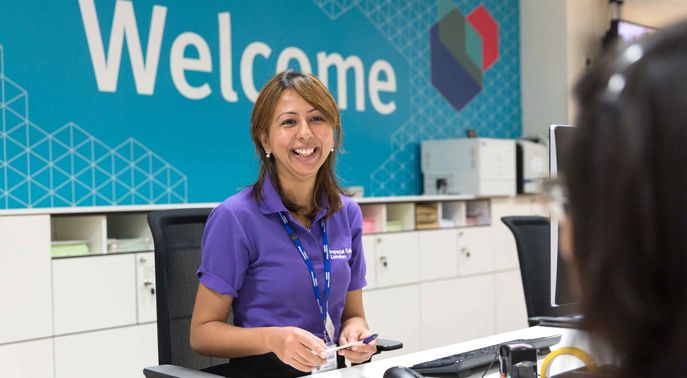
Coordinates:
100 306
569 337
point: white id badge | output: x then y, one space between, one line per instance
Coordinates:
331 363
329 327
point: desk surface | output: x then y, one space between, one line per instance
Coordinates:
376 369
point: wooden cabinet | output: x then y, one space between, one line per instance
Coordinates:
25 274
28 359
94 292
111 353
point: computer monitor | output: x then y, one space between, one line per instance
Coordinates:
559 137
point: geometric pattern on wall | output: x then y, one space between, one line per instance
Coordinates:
70 167
406 25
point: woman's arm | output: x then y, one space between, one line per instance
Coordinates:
212 336
354 327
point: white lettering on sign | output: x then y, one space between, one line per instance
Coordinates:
381 78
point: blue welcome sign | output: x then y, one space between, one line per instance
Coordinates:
138 102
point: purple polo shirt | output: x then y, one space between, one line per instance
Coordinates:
247 254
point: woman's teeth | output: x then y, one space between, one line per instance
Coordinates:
305 152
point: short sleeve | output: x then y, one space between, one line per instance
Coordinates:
225 252
357 261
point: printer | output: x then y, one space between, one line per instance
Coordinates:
533 165
472 166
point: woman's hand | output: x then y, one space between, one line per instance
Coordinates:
357 353
298 348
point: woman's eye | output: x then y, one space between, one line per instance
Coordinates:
317 119
288 122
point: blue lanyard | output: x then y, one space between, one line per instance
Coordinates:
313 276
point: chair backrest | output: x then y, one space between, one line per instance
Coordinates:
177 235
532 239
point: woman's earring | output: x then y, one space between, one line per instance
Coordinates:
268 154
332 149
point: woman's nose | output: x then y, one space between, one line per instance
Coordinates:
304 131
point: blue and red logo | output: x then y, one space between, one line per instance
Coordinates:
462 49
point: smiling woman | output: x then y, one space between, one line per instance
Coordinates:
294 136
266 250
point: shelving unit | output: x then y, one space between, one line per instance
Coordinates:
417 279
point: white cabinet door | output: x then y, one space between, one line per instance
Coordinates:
456 310
112 353
475 250
394 313
438 254
505 251
30 359
94 292
370 261
25 278
511 310
145 287
397 258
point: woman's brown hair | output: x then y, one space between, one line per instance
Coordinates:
316 94
626 183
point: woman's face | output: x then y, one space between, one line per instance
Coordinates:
299 138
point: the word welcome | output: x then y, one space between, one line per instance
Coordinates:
381 77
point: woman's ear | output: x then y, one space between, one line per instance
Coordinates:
265 141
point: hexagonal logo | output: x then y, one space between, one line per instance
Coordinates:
462 49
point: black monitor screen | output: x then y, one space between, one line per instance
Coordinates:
560 136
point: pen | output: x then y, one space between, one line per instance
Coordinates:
366 340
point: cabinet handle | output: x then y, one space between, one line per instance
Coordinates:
379 240
384 261
148 283
143 260
465 251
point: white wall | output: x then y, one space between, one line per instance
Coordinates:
558 37
543 61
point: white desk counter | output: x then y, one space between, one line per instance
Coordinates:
570 337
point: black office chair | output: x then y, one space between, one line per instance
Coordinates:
532 239
177 235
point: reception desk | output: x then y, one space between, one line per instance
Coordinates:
570 337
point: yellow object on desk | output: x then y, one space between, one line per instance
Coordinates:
572 351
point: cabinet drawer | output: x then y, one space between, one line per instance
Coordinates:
438 254
370 261
30 359
112 353
145 287
475 250
397 258
457 309
94 292
25 291
395 314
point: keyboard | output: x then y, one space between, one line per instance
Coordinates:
463 363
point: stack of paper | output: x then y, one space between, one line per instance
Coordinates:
63 248
394 225
129 245
426 216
